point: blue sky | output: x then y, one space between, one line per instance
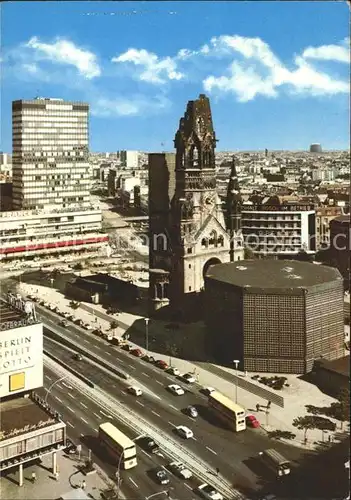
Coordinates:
276 72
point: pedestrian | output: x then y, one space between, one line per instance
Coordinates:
269 405
329 438
257 407
34 477
83 484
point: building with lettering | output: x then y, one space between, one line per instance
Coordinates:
29 428
278 228
275 316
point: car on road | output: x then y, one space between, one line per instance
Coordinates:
148 444
175 389
137 352
180 470
63 323
77 356
208 492
192 411
127 347
208 390
161 364
184 432
173 371
189 378
251 421
160 475
87 326
148 359
136 391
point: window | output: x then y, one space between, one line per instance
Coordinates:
189 288
189 266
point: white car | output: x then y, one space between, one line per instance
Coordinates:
208 390
209 493
189 377
184 432
136 391
180 470
176 389
173 371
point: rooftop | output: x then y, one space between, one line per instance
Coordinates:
14 317
22 415
274 274
341 365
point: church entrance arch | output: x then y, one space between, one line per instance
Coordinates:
208 264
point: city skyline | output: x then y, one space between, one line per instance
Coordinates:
276 85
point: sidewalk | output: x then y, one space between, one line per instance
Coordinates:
46 487
296 396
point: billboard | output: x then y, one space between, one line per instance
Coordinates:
21 359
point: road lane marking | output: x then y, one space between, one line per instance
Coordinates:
158 382
190 488
49 378
84 420
141 404
69 408
82 435
193 438
146 375
58 399
68 386
210 449
132 481
86 341
105 414
97 416
132 367
124 392
157 415
170 423
174 408
69 423
108 353
84 406
146 453
71 395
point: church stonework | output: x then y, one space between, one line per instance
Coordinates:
197 230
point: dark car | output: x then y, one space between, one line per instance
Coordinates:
148 359
71 448
160 475
127 347
77 356
148 444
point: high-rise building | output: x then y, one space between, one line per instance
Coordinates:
315 148
50 154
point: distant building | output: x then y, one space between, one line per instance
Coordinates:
29 429
324 215
50 154
128 159
315 148
5 196
278 227
274 316
332 376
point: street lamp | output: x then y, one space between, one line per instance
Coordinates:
236 363
166 492
118 477
52 385
147 334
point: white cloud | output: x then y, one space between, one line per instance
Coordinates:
154 69
339 53
107 107
263 73
65 52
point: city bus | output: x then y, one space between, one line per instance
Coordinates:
118 445
275 461
226 410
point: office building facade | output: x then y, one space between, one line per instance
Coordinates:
50 154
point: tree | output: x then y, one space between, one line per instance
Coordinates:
305 424
248 253
113 324
324 424
278 434
341 409
79 266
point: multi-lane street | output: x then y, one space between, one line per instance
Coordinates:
212 442
83 417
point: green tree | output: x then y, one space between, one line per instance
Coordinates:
305 424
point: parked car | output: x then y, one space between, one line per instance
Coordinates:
175 389
77 356
184 432
192 411
251 421
71 448
136 391
160 475
63 323
207 390
208 492
137 352
161 364
173 371
189 378
148 359
180 470
127 347
148 444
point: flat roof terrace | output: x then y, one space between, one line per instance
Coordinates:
11 317
23 415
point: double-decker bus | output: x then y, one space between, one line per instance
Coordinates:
226 410
118 445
